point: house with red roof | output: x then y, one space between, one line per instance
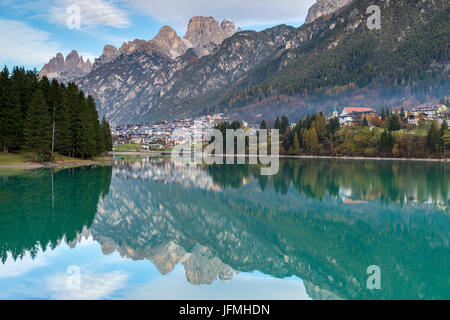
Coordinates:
353 114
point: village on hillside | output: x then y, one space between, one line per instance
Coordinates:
164 135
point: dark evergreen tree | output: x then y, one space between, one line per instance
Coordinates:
263 125
277 125
107 135
387 142
37 130
4 84
98 135
365 123
63 135
74 125
333 126
394 122
284 124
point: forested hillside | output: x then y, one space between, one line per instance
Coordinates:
47 117
408 56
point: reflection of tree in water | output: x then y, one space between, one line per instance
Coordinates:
399 182
229 176
41 208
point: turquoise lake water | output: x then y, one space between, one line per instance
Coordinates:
150 228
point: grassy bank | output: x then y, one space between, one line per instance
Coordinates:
25 160
24 156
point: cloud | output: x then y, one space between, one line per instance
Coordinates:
92 13
245 13
21 43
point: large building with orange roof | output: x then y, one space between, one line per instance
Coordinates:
352 114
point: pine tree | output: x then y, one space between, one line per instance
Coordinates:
98 134
4 83
27 105
87 141
73 100
394 122
284 125
387 142
402 113
107 135
263 125
333 126
277 125
63 135
365 123
37 130
11 116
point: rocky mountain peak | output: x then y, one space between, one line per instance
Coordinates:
169 41
204 33
109 54
54 65
68 69
324 8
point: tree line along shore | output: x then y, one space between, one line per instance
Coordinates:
49 119
386 136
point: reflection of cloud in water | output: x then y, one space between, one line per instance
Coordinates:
246 286
93 286
12 269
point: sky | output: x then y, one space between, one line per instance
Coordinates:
33 31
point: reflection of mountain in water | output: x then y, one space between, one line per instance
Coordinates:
319 238
218 219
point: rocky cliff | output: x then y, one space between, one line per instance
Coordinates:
146 85
71 68
205 33
324 8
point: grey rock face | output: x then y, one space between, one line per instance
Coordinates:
65 70
146 85
205 33
109 54
169 41
324 8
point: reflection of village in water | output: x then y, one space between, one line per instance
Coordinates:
402 183
323 221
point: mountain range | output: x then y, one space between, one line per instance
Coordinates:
334 58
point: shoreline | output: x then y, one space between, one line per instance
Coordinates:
49 165
158 153
81 163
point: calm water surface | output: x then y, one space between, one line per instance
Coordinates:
154 229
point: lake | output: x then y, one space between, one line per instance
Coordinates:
150 228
